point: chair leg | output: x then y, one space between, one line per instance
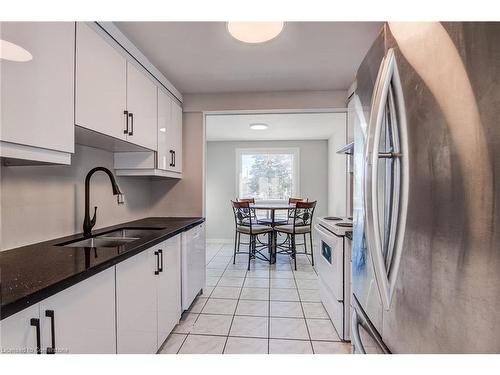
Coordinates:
294 251
305 244
239 240
235 247
312 250
249 251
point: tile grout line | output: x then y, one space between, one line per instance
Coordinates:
246 277
302 308
234 312
198 315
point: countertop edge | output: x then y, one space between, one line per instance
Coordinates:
23 303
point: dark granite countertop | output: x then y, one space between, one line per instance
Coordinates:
32 273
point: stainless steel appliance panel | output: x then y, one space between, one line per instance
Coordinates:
447 298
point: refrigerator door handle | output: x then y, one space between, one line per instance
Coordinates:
388 90
356 338
359 318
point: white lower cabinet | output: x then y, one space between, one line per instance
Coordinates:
83 318
19 331
136 304
129 308
148 297
169 288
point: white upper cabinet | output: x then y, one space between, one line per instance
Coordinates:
101 84
176 138
169 133
37 94
141 107
165 157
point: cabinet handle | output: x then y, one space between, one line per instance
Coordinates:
157 255
50 314
174 158
131 115
171 158
126 122
161 260
36 323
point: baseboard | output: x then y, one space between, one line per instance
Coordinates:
220 240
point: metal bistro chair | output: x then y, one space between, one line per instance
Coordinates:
301 225
245 220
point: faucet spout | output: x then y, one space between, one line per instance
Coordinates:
89 223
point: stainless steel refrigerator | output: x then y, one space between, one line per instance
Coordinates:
426 239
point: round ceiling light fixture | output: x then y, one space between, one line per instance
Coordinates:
255 32
258 126
12 52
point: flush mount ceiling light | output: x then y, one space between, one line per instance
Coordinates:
258 126
255 32
12 52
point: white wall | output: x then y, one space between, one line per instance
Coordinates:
185 197
221 179
337 180
40 203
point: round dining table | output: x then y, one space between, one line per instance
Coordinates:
272 208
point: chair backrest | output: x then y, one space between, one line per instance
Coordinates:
291 211
249 200
303 213
242 213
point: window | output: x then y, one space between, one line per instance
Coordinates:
267 174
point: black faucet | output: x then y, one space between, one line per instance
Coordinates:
88 223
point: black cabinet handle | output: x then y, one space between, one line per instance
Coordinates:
36 323
131 115
161 261
174 159
157 255
171 158
126 122
50 314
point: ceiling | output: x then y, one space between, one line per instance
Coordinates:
201 57
282 126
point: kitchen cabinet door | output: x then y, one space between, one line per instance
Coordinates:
101 84
136 305
176 138
141 106
165 157
83 317
169 288
19 333
37 95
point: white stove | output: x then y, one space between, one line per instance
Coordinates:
338 225
333 263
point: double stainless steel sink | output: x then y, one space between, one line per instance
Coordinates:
115 238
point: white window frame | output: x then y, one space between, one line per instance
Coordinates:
267 150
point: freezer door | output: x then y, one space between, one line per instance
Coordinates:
447 297
363 279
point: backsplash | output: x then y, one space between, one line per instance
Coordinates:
39 203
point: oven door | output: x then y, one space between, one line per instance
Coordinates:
330 261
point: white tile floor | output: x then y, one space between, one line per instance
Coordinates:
270 309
